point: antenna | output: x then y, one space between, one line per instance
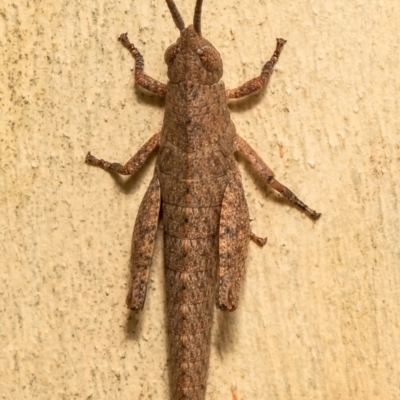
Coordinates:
175 15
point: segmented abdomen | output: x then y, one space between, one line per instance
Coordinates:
191 214
190 304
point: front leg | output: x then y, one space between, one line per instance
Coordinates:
141 79
256 84
266 174
134 164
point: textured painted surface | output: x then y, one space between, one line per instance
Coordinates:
319 314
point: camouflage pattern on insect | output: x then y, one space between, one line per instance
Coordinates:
198 186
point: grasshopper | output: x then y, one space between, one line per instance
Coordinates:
198 187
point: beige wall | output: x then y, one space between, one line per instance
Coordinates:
319 316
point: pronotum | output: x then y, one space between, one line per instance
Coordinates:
197 185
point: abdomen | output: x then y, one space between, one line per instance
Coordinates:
191 213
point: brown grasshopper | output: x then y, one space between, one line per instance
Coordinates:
198 186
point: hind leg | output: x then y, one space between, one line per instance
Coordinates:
234 236
143 238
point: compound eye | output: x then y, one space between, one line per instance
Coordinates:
171 53
210 58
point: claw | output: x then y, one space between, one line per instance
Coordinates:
91 159
123 38
315 215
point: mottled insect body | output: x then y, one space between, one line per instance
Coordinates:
198 186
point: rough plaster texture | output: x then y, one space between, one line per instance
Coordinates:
319 316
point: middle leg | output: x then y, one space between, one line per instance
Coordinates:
133 165
267 175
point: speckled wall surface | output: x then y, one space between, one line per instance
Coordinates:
319 315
